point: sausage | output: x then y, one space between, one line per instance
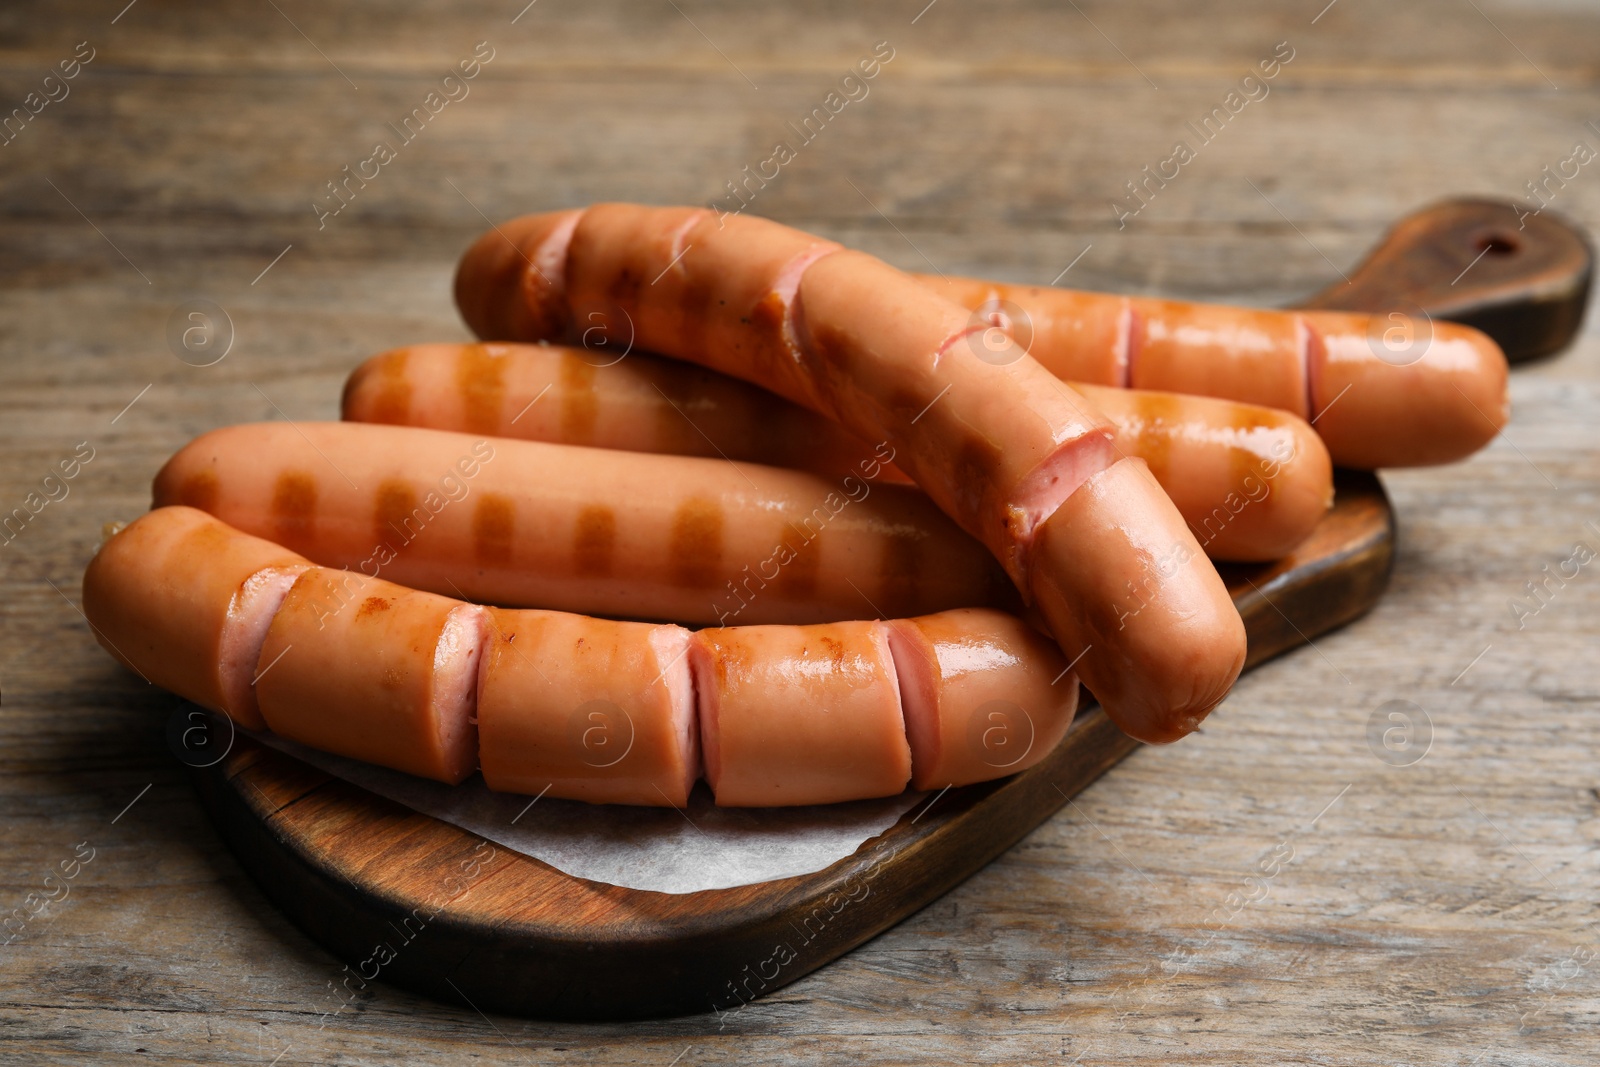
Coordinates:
589 709
527 257
995 440
799 714
364 668
1151 628
1252 482
575 396
1446 405
527 524
185 601
727 296
1438 394
815 714
983 694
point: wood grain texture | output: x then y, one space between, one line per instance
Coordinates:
1430 916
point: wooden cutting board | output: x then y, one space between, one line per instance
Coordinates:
407 899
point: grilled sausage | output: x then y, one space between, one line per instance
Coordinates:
364 668
589 709
577 707
1252 482
526 524
995 440
1382 390
185 601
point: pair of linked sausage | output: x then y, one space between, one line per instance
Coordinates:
1391 390
948 699
530 524
1251 482
576 707
1000 445
241 625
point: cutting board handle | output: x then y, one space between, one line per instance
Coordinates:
1522 278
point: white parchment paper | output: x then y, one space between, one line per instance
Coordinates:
661 849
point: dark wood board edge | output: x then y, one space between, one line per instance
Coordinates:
1521 277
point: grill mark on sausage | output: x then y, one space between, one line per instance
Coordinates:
806 358
623 292
768 322
594 540
392 400
689 291
199 490
798 577
480 377
696 314
580 405
976 462
826 354
207 538
494 523
696 542
395 506
830 649
680 385
372 606
294 508
904 405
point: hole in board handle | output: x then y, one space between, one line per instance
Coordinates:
1497 244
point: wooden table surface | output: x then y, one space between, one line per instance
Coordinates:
1270 891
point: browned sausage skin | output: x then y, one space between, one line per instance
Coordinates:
574 396
1383 390
982 692
511 280
1251 482
364 668
185 601
1151 628
588 709
536 525
996 444
800 714
577 707
990 435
